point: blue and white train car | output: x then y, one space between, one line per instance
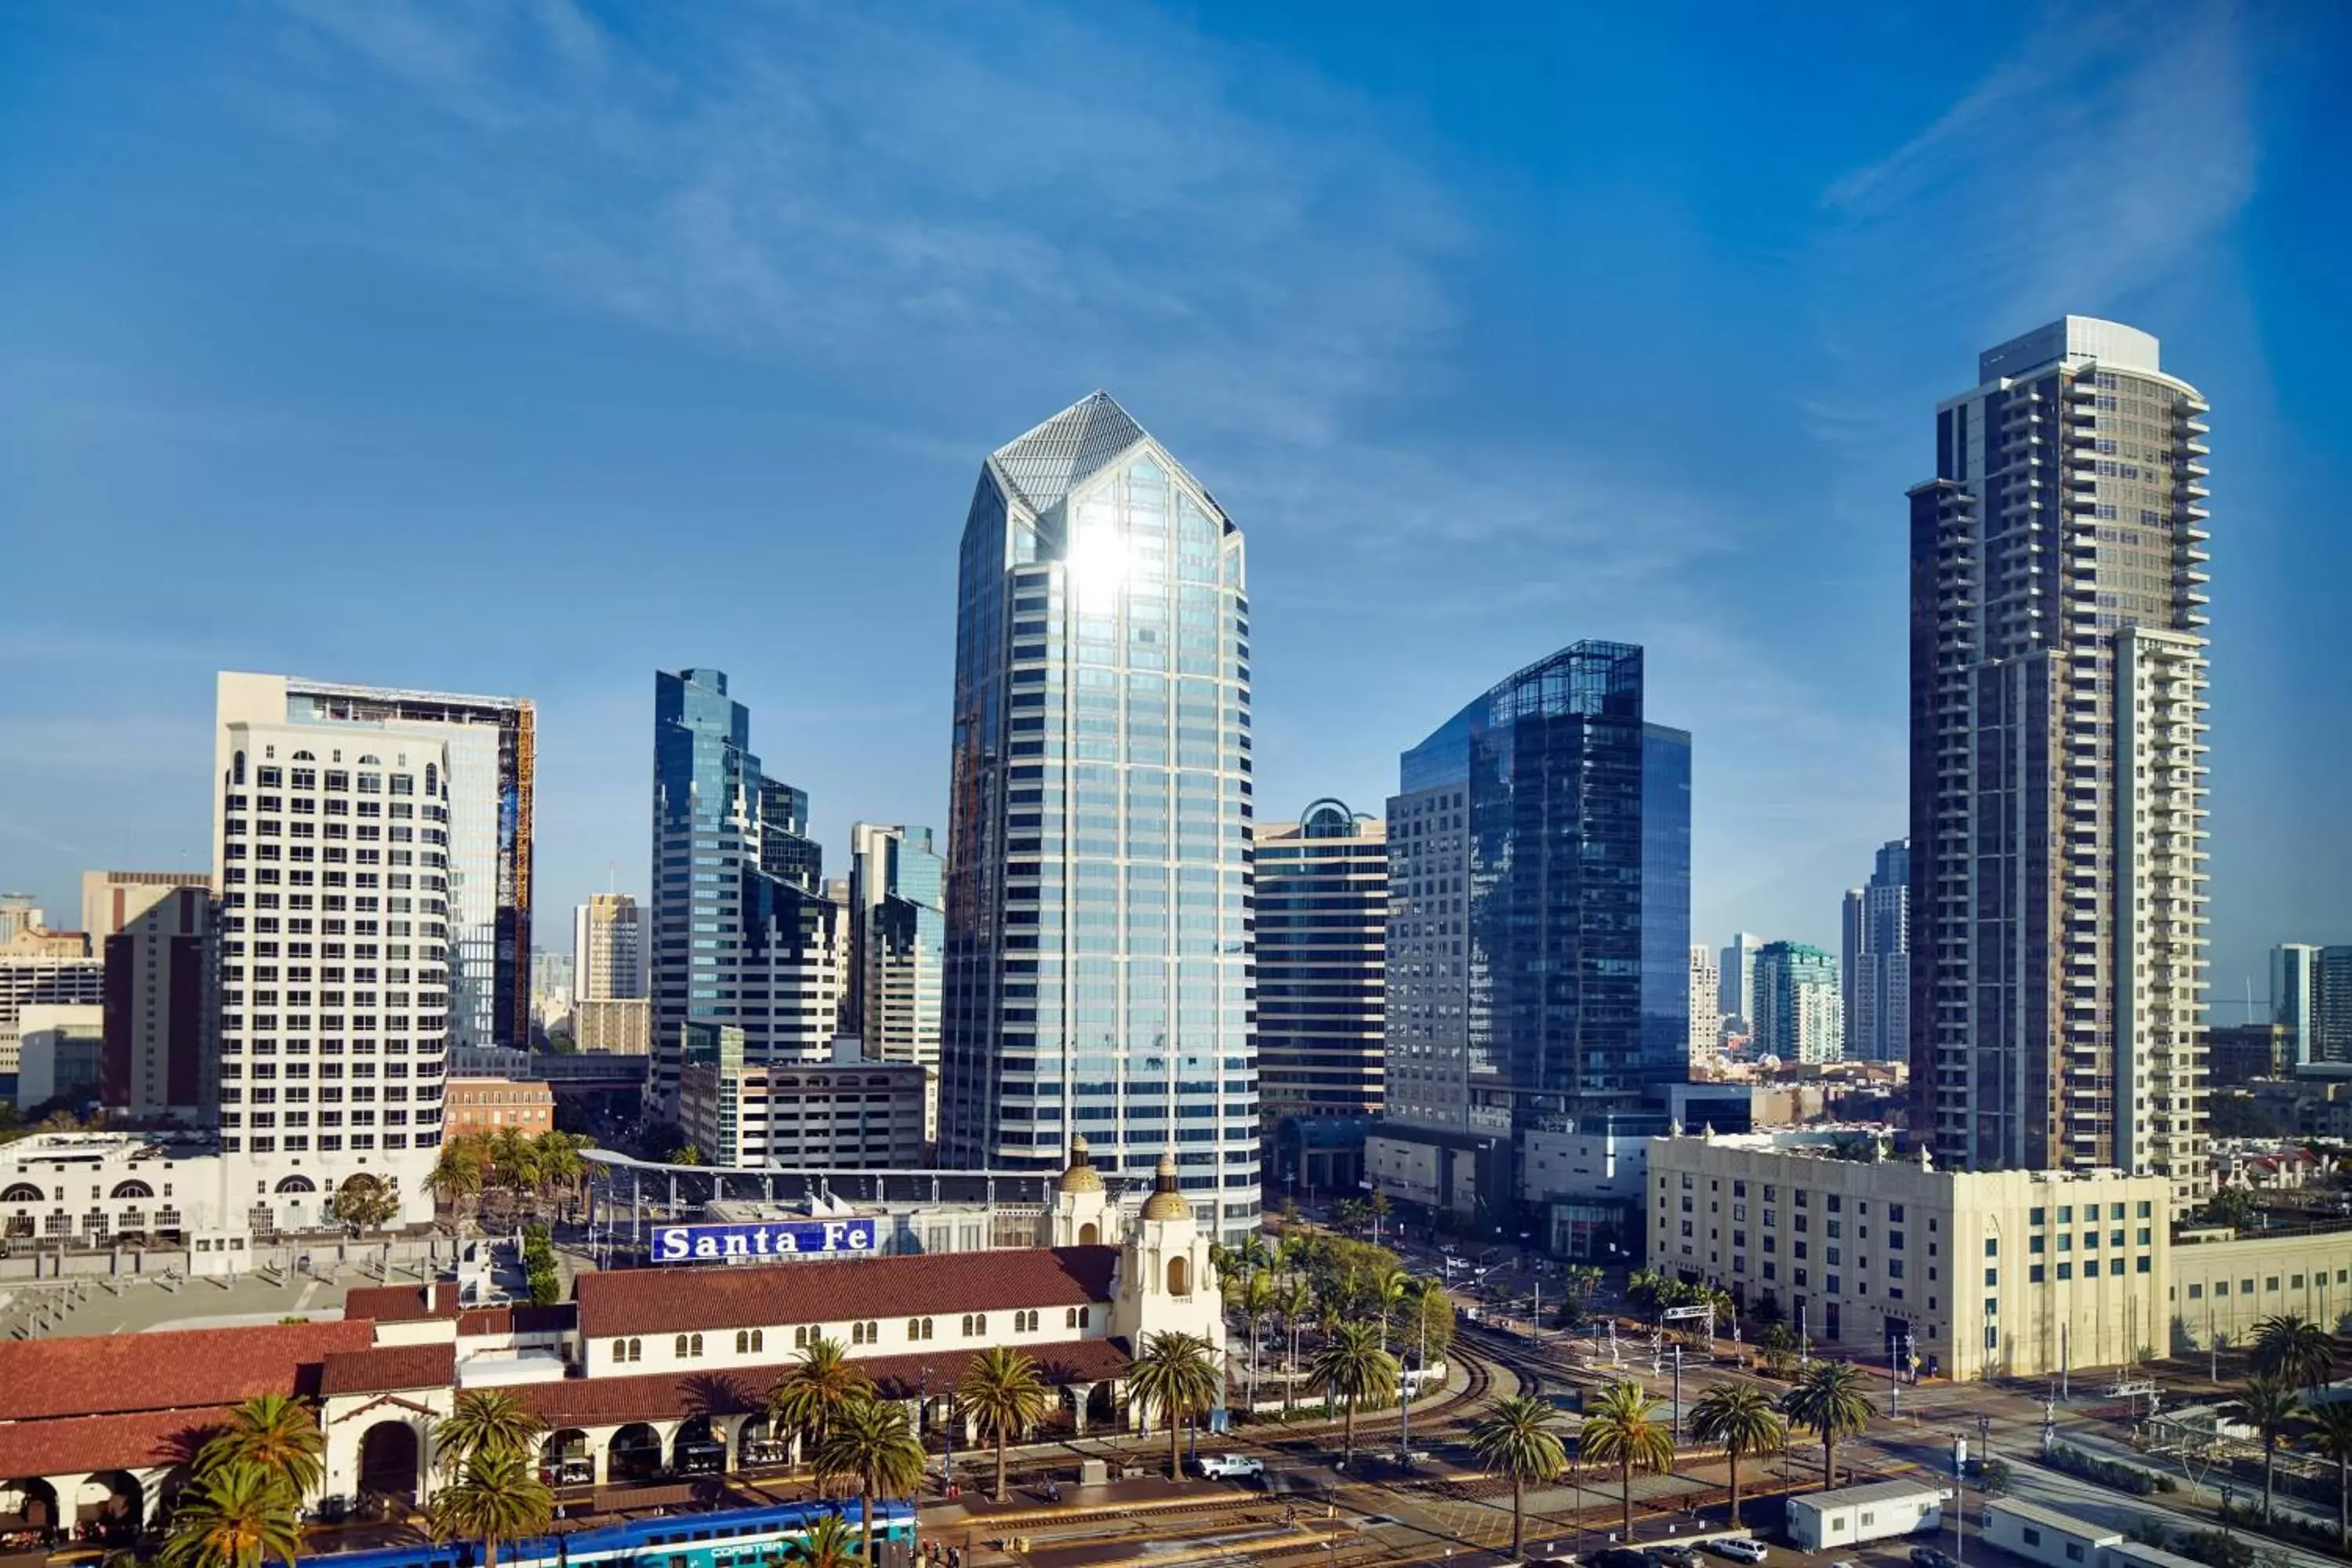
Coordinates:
723 1537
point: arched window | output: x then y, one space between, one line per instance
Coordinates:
431 773
759 1340
914 1328
696 1348
1086 1315
1179 1277
799 1339
297 1185
127 1190
743 1342
1070 1318
678 1351
236 770
636 1350
1088 1234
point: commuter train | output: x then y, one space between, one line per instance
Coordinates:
722 1537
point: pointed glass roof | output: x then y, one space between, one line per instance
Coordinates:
1045 465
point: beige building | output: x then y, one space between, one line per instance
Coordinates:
815 1115
2002 1272
494 1104
622 1026
110 900
39 967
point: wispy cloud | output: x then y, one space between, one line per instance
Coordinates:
931 196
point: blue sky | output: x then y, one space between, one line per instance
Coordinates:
528 347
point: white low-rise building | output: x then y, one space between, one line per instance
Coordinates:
1852 1516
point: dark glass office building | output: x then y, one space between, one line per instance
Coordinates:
1538 941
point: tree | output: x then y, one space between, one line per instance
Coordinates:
2296 1352
827 1544
459 1174
821 1383
1295 1301
364 1202
2270 1409
499 1498
872 1441
1520 1439
2235 1208
1377 1205
1778 1343
1352 1365
1433 1324
1386 1292
274 1434
2331 1433
234 1515
1258 1295
1830 1399
560 1168
1177 1375
689 1153
1746 1420
1621 1429
485 1421
1004 1396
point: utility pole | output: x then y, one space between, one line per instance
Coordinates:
1960 1498
1678 1394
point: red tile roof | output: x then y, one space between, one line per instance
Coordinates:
391 1367
668 1397
554 1319
402 1303
189 1368
87 1443
719 1296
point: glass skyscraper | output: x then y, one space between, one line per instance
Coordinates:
1098 874
740 937
1538 938
897 948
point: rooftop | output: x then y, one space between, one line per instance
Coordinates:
189 1369
670 1301
1876 1491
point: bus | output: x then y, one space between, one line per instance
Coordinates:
722 1537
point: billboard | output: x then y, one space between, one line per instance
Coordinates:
783 1238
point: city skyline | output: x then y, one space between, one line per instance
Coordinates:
1346 380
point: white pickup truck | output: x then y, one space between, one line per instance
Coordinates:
1230 1467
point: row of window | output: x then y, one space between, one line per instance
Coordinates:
754 1342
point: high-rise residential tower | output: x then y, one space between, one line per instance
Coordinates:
492 743
1705 1011
897 951
1538 941
1875 966
2058 670
158 929
1799 1012
740 936
1322 946
1098 868
608 949
1737 997
332 860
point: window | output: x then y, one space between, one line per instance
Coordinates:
628 1350
2197 1292
918 1328
865 1334
2038 1217
1992 1278
2035 1274
2074 1551
1895 1212
1992 1246
2032 1536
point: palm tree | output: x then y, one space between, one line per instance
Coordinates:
485 1421
1830 1398
1386 1292
2331 1432
1352 1365
459 1174
234 1515
1004 1398
1176 1376
871 1442
827 1544
2270 1409
560 1167
1745 1420
818 1383
1521 1439
276 1435
1294 1302
2298 1354
500 1498
1258 1297
1621 1427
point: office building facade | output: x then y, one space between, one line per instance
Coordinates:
112 899
1099 873
2058 673
1538 940
608 948
158 1008
897 895
492 746
2296 992
1736 978
331 864
1322 962
1875 965
1800 1010
20 913
843 1115
740 937
36 974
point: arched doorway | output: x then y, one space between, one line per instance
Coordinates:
31 1503
756 1443
695 1450
635 1454
116 1503
1088 1235
388 1463
564 1459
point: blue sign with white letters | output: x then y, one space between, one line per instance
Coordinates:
786 1239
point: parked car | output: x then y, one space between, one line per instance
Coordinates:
1230 1467
1684 1557
1928 1557
1741 1548
1620 1557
